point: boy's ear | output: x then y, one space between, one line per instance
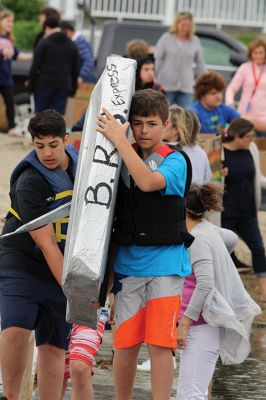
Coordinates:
65 139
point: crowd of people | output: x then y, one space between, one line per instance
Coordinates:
176 286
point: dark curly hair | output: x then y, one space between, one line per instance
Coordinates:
202 198
206 82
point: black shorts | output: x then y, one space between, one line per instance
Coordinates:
35 304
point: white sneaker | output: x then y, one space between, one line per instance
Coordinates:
174 363
146 365
15 132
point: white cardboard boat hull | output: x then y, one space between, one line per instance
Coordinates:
94 194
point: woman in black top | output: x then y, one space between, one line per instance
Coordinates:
242 193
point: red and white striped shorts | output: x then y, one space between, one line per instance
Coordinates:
84 345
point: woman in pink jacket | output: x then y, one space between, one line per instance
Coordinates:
251 78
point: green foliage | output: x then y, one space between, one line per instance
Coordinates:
25 33
23 9
247 38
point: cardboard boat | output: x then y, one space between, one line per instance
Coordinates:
94 195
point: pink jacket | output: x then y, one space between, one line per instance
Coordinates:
244 79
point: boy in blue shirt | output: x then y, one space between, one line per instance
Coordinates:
209 107
150 229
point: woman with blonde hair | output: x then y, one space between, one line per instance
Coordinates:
9 52
251 78
182 129
176 51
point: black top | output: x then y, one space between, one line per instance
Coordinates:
55 64
239 196
30 198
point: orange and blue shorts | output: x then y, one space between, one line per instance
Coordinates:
146 310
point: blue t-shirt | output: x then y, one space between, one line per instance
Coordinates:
212 120
159 260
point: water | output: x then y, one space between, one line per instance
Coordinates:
246 381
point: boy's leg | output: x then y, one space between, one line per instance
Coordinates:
51 332
161 372
83 347
51 363
18 310
81 377
125 366
162 309
13 349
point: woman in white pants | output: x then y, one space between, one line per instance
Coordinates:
217 312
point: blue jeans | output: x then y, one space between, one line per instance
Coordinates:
180 98
248 230
48 97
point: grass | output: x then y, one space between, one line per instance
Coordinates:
248 37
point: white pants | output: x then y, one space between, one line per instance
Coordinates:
197 362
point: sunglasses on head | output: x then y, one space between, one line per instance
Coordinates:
185 14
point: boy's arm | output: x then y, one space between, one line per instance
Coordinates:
46 240
30 202
146 180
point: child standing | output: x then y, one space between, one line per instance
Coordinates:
145 74
209 107
80 357
182 129
217 312
150 229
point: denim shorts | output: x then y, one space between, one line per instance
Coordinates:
35 304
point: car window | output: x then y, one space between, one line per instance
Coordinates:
122 36
216 52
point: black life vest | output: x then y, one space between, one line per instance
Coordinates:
60 183
148 218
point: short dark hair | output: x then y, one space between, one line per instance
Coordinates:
238 128
145 60
149 102
50 12
67 26
206 82
47 123
51 23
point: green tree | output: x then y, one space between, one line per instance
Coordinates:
23 9
25 33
